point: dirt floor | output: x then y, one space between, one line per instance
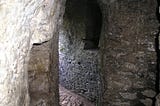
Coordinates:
68 98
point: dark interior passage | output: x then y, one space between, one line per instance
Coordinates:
126 59
93 24
79 34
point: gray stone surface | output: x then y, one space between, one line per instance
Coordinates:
43 69
78 67
38 73
158 100
149 93
22 23
127 49
147 102
130 96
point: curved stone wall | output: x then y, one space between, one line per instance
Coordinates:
22 23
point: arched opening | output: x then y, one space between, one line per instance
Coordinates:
78 49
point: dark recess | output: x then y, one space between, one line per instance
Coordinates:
93 24
158 55
157 49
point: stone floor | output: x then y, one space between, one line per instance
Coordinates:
68 98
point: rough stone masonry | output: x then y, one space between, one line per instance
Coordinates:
127 50
22 23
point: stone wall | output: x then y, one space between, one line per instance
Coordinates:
128 52
43 68
78 67
22 23
128 58
38 75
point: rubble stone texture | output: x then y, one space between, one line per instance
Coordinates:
22 23
78 67
128 52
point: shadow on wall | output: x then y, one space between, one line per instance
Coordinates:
157 50
78 48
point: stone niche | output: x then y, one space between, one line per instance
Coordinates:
78 48
39 75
